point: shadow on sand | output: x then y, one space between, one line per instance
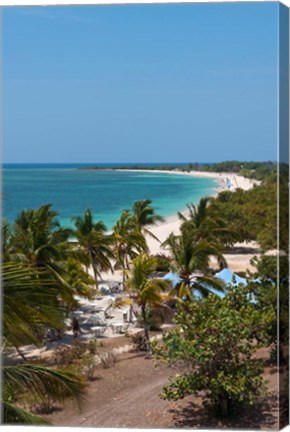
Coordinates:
260 416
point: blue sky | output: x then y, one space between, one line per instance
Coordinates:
140 83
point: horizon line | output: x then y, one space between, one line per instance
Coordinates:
140 163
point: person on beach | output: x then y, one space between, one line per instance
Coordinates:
50 335
76 327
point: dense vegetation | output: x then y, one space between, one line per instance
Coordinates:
215 338
31 300
212 350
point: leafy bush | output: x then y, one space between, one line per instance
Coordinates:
89 365
212 348
266 288
92 346
36 404
246 209
66 354
139 342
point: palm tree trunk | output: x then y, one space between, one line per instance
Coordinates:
131 314
123 265
21 354
146 329
224 406
95 273
127 262
124 276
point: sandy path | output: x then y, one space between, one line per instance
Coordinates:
137 403
127 395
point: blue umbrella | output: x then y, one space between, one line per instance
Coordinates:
173 278
230 277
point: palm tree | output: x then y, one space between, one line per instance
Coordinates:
192 256
40 381
40 242
145 215
204 222
148 293
29 302
79 280
128 241
94 243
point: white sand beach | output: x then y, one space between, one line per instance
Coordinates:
238 261
236 181
172 224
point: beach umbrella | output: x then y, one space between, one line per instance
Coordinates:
230 277
173 278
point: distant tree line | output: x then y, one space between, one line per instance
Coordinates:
255 170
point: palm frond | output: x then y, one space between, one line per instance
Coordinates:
209 282
41 380
121 303
12 414
181 290
29 301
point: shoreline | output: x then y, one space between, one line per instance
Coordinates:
172 223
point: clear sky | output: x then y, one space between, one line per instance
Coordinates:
140 83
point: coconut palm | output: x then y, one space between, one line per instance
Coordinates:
128 241
94 243
204 222
39 381
28 303
145 216
40 242
191 261
148 293
79 280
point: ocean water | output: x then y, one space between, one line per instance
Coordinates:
107 193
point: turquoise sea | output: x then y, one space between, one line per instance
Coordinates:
107 193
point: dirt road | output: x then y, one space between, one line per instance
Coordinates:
127 395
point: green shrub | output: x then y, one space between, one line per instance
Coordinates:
139 342
66 354
89 365
212 349
92 346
